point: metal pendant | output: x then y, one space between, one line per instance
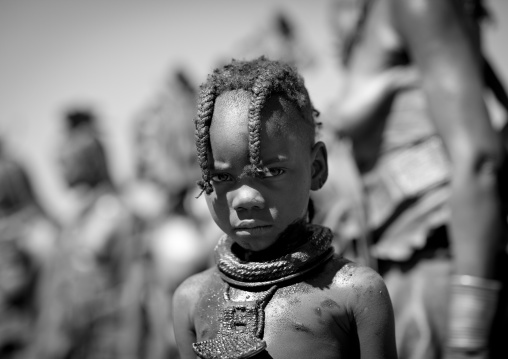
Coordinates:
241 327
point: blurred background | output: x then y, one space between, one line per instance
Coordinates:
121 68
116 55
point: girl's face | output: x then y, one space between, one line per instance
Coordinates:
254 211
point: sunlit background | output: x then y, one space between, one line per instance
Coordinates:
115 55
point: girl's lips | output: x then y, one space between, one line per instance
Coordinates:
254 230
251 223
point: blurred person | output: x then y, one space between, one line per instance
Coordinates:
18 298
21 211
28 237
430 162
338 205
91 293
164 154
166 161
178 239
278 39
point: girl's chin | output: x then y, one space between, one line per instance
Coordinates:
254 233
254 245
255 239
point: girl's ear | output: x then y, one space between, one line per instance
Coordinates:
319 171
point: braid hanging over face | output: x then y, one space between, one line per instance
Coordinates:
262 78
204 119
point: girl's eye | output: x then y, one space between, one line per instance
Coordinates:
221 177
273 172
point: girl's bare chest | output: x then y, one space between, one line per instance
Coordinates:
291 312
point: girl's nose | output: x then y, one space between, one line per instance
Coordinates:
246 198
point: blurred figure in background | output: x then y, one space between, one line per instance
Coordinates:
430 160
278 39
89 303
178 232
164 155
27 240
338 205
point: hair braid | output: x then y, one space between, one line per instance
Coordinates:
260 90
202 122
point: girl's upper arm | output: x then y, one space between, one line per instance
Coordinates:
374 317
183 324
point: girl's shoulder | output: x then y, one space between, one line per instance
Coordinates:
197 282
346 275
362 285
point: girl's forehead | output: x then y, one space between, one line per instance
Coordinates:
231 112
280 135
279 117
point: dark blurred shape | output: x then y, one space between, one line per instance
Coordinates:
90 302
280 40
477 10
18 279
76 118
285 28
28 237
16 191
178 238
83 157
183 80
430 165
165 140
347 18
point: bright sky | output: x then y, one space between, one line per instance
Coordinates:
115 55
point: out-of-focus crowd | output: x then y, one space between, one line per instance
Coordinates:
100 285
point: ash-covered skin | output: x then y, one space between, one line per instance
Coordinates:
331 313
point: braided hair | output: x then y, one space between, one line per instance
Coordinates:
262 78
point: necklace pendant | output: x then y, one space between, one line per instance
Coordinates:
229 347
241 327
239 324
241 318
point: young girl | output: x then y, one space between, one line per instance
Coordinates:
278 290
